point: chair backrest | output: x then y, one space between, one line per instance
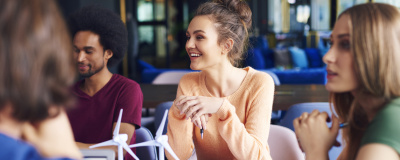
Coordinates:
170 77
296 111
274 77
146 152
160 110
283 144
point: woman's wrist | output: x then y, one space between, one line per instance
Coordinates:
317 155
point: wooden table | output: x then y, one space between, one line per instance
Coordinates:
288 95
285 95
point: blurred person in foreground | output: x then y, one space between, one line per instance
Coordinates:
36 71
363 71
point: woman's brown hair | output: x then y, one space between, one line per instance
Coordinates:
36 65
375 46
232 18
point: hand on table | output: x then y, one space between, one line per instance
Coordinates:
313 134
198 108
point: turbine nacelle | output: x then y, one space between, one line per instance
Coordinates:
161 139
121 138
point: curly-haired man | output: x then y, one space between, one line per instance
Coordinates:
99 42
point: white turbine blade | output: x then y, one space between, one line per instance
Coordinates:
129 150
116 129
105 143
169 149
161 127
147 143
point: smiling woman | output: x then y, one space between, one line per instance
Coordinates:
230 106
202 42
363 68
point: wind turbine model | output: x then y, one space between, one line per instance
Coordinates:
118 140
160 141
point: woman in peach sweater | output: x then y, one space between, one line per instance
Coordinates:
233 105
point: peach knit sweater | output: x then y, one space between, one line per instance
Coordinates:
239 129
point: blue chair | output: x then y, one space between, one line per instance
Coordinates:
160 110
146 152
298 109
314 57
255 59
268 55
258 42
299 57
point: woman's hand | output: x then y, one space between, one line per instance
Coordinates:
202 121
314 136
52 137
198 108
195 106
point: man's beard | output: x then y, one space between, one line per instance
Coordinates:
91 72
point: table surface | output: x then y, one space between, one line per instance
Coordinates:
285 95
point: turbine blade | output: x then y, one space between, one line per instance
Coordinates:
129 150
147 143
105 143
116 129
161 127
169 149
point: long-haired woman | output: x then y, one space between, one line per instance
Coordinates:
363 67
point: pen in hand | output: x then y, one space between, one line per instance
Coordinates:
201 132
342 125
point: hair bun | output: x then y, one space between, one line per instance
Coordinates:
240 7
